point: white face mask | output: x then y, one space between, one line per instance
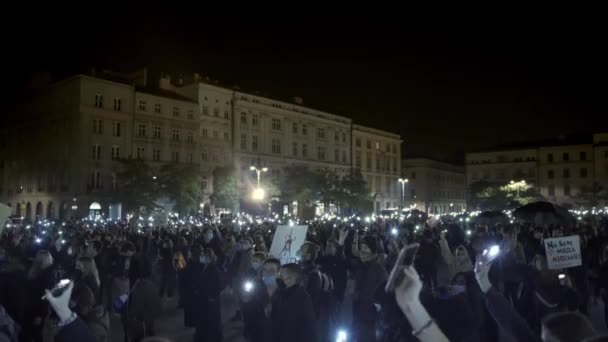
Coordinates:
203 259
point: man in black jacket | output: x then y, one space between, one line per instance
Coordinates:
293 317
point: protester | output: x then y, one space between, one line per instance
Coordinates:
293 317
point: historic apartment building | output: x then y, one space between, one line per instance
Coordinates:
434 186
78 128
563 171
378 155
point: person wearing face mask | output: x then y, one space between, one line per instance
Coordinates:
212 238
202 295
255 296
292 316
242 261
370 274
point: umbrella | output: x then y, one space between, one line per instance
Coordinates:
544 213
491 218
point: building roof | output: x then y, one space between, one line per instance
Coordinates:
164 93
372 130
578 139
431 163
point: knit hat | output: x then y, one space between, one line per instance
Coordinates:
371 242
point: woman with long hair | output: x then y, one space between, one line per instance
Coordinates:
87 274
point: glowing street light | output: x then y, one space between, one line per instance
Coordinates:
258 172
403 181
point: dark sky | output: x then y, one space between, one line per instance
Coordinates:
445 88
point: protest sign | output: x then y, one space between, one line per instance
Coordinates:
563 252
4 213
286 242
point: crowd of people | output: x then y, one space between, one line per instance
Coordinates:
455 290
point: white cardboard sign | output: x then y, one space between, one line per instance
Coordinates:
563 252
286 242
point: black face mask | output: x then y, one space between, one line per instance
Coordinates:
281 284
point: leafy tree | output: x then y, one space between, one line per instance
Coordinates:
225 188
520 193
355 194
492 196
182 185
592 196
137 187
299 184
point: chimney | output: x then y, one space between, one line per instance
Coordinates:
298 100
165 83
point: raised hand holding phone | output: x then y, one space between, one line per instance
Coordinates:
405 259
60 303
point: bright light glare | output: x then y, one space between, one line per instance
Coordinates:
469 232
38 240
494 250
258 194
248 286
561 276
395 231
342 336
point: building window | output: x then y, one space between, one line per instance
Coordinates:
565 156
191 114
369 144
141 130
566 173
140 153
388 148
394 148
395 165
204 156
294 128
254 143
115 152
377 145
114 181
175 111
117 104
205 110
157 108
320 133
175 156
116 128
157 132
337 155
368 160
215 134
343 137
204 183
175 134
343 156
358 142
551 190
216 112
358 159
336 137
567 189
304 149
190 137
244 142
98 100
583 172
583 155
550 157
156 155
550 174
254 120
97 126
204 132
142 105
96 155
227 114
294 149
243 118
226 137
304 129
321 153
189 158
215 156
276 146
276 124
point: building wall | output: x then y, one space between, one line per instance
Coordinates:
378 155
433 186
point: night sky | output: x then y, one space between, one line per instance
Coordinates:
446 89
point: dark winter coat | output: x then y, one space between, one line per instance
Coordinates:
293 317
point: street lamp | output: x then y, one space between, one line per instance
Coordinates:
403 181
258 172
258 194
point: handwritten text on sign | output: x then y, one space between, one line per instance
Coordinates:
563 252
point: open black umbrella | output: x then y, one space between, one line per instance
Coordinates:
542 213
491 218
